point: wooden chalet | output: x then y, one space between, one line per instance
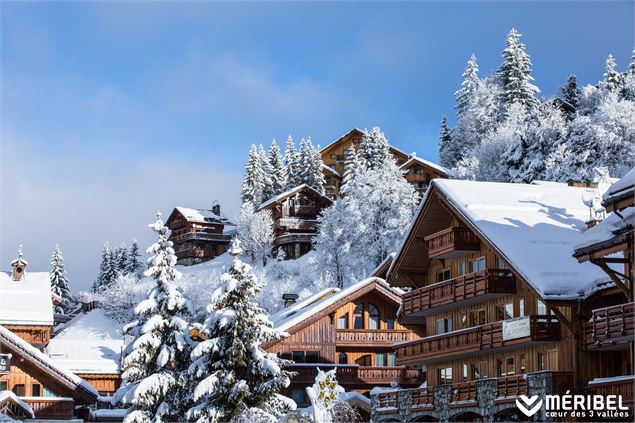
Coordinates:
352 330
608 324
419 172
496 295
333 159
199 235
295 214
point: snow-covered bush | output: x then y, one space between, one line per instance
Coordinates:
255 231
120 298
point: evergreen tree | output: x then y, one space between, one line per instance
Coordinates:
515 75
121 258
277 168
570 91
469 84
105 276
291 169
255 231
59 282
612 78
153 382
628 81
254 181
309 162
448 156
268 189
352 167
133 265
374 150
230 372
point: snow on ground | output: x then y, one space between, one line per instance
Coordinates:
27 301
90 343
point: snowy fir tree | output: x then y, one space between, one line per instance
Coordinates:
134 266
121 258
333 245
155 362
277 168
570 91
352 166
470 82
255 180
230 373
107 269
447 155
309 163
374 150
59 281
612 78
268 189
291 165
515 75
255 231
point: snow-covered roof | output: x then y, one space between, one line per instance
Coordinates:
534 227
90 343
27 301
202 215
612 230
293 315
290 192
623 188
334 142
425 162
43 362
9 396
330 169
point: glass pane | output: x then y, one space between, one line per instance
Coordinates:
312 357
449 325
440 326
342 322
358 317
390 323
521 307
541 308
298 356
391 359
380 359
343 359
373 317
509 311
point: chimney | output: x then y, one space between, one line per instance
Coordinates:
216 208
289 299
18 267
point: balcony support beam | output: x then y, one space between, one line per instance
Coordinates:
613 276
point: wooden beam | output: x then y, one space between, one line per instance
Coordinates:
613 277
562 318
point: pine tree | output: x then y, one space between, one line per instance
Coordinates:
121 258
515 75
59 282
374 150
268 189
104 278
352 167
628 81
612 78
133 265
153 382
277 168
254 180
469 84
570 91
291 170
230 372
447 152
314 175
255 231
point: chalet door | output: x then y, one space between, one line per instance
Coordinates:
365 360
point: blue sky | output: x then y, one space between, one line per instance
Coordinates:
111 111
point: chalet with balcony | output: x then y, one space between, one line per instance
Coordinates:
419 172
295 213
495 293
199 235
608 318
352 330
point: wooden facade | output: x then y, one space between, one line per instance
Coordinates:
355 335
419 173
198 236
295 223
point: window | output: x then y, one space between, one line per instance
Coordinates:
380 359
390 322
506 367
342 322
19 390
298 356
541 309
463 320
500 263
444 325
365 360
521 307
477 317
391 359
505 312
36 389
358 317
297 395
373 317
523 364
464 372
476 371
312 357
443 275
477 265
541 361
343 358
48 392
462 268
3 385
445 375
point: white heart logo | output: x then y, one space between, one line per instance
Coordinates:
526 405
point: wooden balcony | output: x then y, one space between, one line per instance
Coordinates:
293 238
304 210
34 335
452 243
295 224
610 328
356 375
464 393
478 339
201 236
614 386
366 337
51 408
457 292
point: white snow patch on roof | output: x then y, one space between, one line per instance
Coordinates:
27 301
607 229
287 193
535 227
9 395
91 343
201 215
622 186
426 163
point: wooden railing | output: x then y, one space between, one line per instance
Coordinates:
422 398
360 374
200 236
476 339
387 402
303 210
370 336
618 386
610 327
452 243
510 387
455 290
51 408
289 238
464 392
35 335
295 223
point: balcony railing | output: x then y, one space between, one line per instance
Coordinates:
295 224
51 408
353 374
304 210
477 339
292 238
360 337
453 292
200 236
511 387
452 243
620 386
610 328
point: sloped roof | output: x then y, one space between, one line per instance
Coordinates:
623 188
533 227
81 390
424 162
201 215
27 301
291 192
359 131
294 318
90 343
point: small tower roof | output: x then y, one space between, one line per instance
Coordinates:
20 259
